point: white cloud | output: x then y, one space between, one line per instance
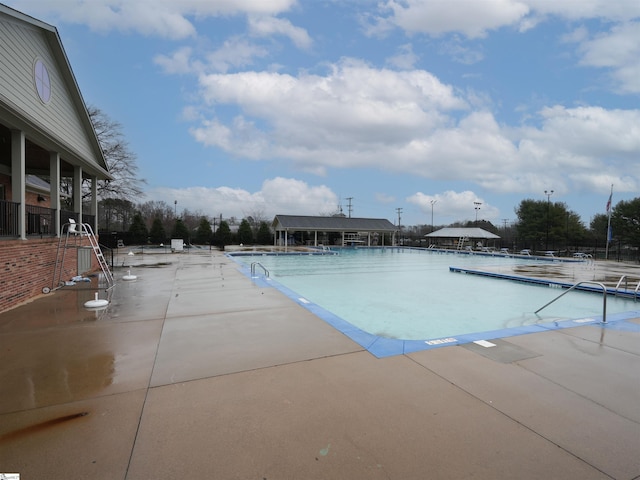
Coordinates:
179 62
408 122
619 51
162 18
355 115
277 195
236 52
473 19
585 9
269 26
405 59
452 206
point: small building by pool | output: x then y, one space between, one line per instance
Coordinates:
339 230
459 238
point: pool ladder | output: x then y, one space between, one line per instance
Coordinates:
258 264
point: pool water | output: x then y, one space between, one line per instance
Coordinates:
410 294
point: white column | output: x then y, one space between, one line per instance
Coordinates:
94 203
77 192
18 179
54 189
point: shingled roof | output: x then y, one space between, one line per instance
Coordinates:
471 232
336 224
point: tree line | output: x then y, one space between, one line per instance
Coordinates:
541 225
156 222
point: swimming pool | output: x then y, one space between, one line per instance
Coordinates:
411 296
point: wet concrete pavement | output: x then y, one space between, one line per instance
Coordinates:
195 371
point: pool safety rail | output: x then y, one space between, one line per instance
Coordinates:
258 264
604 297
624 278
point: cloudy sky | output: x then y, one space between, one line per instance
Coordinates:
239 107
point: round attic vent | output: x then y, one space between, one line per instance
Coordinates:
42 80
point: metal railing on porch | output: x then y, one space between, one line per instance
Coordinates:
9 212
39 221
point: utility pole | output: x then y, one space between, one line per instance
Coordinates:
399 210
548 193
433 202
349 208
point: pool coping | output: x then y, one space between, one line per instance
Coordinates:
382 347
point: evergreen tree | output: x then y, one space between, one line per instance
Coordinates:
204 233
264 237
625 222
138 230
157 233
180 231
223 236
245 235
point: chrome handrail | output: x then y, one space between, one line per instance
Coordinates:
604 298
253 269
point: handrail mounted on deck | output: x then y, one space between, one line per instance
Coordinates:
253 269
604 297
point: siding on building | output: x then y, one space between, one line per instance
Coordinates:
59 119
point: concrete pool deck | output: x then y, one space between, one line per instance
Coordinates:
195 371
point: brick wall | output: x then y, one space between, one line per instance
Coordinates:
27 266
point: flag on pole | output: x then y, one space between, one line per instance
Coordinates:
609 232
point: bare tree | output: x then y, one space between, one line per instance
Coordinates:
255 218
121 161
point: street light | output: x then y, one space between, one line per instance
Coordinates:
433 202
548 193
477 208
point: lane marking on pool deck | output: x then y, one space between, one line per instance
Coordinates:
484 343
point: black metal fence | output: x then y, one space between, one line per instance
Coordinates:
9 212
40 221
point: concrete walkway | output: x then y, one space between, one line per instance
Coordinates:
194 371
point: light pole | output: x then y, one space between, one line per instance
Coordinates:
477 208
433 202
175 209
548 193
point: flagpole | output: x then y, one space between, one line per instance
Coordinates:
606 251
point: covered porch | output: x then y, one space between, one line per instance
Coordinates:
40 191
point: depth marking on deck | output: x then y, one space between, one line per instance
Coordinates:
441 341
584 320
303 300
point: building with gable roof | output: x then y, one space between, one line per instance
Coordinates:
338 230
46 137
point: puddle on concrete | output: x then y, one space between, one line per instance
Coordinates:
59 307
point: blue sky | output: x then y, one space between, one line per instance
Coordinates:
259 107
